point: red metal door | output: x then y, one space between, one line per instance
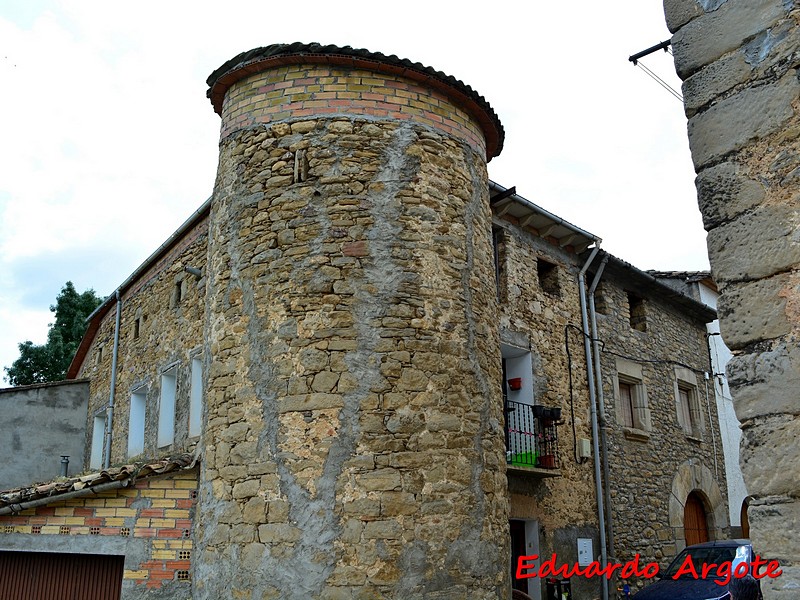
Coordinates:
51 576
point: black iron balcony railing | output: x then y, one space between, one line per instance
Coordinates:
531 435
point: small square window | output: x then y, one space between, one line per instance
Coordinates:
633 412
687 403
499 250
637 312
548 277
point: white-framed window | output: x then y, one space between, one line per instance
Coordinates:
98 441
136 420
196 399
166 407
630 397
687 403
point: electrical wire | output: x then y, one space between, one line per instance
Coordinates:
660 81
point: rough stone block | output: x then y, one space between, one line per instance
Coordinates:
705 39
713 80
680 12
724 191
755 245
776 526
765 383
770 455
754 311
784 587
732 123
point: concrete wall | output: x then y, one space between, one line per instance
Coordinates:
738 60
40 424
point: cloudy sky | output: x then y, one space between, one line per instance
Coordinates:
108 143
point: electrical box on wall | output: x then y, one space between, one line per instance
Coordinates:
584 448
585 554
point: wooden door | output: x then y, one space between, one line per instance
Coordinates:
695 525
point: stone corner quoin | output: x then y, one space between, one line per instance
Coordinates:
739 62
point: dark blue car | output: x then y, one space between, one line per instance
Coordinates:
686 586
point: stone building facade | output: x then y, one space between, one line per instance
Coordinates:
383 361
652 343
740 94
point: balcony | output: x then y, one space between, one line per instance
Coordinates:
532 438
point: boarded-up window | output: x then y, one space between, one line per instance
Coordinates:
50 576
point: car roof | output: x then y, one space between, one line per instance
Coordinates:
722 544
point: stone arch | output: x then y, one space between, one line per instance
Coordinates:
693 476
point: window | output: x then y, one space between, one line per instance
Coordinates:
499 248
136 422
196 399
630 395
548 277
687 403
638 312
627 393
98 441
166 408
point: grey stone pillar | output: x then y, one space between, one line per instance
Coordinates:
354 444
738 60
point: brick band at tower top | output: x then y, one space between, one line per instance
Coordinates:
290 81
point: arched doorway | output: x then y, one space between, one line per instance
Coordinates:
695 525
745 520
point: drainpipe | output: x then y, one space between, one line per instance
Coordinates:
601 409
601 520
110 408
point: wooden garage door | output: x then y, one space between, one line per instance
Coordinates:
695 526
46 576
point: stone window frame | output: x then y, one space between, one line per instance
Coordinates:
686 381
167 406
632 374
140 389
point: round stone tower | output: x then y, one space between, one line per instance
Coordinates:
353 445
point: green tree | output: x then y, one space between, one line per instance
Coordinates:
40 364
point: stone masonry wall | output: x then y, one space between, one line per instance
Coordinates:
647 463
537 318
150 523
169 334
741 97
354 443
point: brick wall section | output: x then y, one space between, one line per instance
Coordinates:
299 91
158 508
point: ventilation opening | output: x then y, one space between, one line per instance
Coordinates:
638 313
548 277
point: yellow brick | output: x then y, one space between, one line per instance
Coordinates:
116 502
165 503
64 511
74 520
75 502
143 522
22 529
153 493
178 513
186 475
105 512
179 544
159 543
187 484
161 483
50 529
114 522
90 502
134 574
83 530
164 555
164 523
125 512
176 493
